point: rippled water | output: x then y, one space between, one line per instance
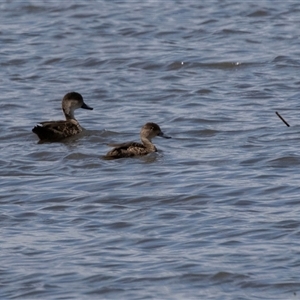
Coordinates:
215 213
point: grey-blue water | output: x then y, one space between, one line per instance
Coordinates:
215 213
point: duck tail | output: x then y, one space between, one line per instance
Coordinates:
41 131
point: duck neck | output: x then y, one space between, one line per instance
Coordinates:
148 144
69 115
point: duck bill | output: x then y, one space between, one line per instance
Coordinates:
86 106
161 134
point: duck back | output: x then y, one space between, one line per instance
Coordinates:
56 130
129 149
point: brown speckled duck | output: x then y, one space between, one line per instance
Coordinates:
58 130
148 132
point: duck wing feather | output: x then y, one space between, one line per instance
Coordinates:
56 130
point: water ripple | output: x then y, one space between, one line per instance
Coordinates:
214 213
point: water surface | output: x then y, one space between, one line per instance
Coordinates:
214 214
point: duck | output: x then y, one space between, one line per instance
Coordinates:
130 149
58 130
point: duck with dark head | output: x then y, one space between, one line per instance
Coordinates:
58 130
